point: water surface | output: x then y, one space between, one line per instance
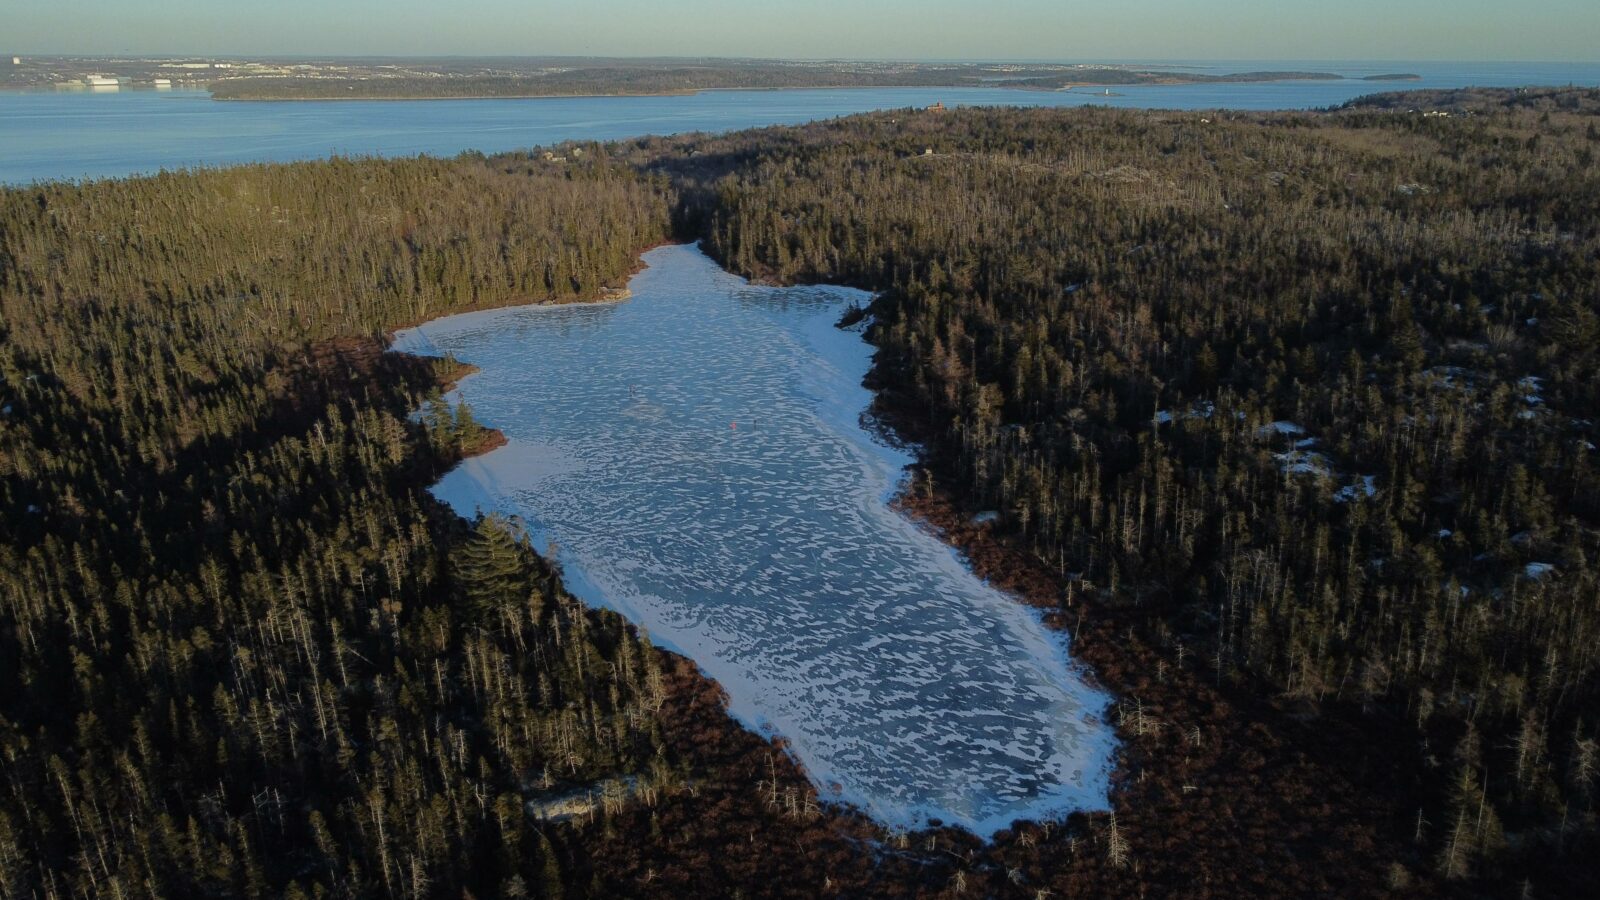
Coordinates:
695 457
54 135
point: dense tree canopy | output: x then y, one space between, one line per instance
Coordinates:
1318 392
1304 403
239 654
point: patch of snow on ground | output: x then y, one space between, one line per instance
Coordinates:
1364 486
1452 377
1203 409
1303 462
1289 429
1531 387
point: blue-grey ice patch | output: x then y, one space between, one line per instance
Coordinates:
696 456
1538 570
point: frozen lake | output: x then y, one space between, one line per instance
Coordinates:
696 457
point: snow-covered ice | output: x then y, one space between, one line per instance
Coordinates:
696 455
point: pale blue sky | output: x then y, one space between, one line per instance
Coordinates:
1530 30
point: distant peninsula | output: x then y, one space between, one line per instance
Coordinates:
1134 77
457 78
606 81
611 80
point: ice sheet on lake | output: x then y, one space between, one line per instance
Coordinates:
697 457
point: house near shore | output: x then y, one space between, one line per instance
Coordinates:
938 107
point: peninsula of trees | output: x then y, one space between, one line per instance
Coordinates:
619 79
1290 418
531 77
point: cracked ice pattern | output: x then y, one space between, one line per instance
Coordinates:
696 456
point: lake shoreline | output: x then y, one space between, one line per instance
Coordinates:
490 485
1257 756
599 299
723 755
1241 732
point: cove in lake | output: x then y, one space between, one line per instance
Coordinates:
695 458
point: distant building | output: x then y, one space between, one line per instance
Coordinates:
102 81
16 60
937 107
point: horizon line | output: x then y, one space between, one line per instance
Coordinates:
972 60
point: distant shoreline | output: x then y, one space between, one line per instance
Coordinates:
441 97
690 92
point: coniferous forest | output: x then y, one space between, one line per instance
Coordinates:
1288 418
